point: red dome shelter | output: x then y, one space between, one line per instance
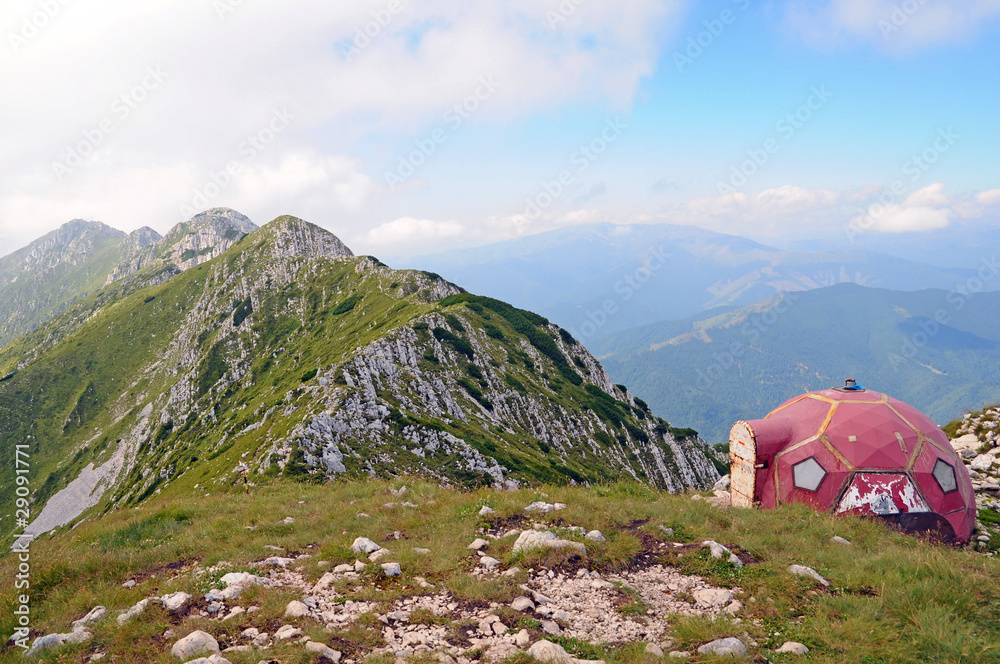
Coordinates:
854 451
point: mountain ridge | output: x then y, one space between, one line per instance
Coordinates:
293 356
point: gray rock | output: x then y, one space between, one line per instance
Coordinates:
489 562
544 507
839 540
722 484
486 510
214 659
596 536
713 596
175 601
194 644
286 632
96 614
522 638
679 654
296 609
793 647
391 569
323 650
717 550
379 555
551 627
530 539
802 570
552 653
340 569
729 646
478 544
363 545
522 604
654 650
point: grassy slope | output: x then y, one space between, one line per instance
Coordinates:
820 338
894 599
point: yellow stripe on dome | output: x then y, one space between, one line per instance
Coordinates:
825 442
782 407
829 417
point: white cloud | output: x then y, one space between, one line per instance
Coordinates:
224 77
926 209
892 25
989 197
409 235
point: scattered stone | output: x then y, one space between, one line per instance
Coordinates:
378 555
391 569
175 601
551 627
654 650
194 644
729 646
668 531
277 560
697 496
324 650
840 540
241 579
679 654
522 604
398 492
522 638
793 647
272 547
734 607
296 609
982 463
134 611
341 569
96 614
722 484
489 562
529 539
478 544
596 536
544 507
287 520
552 653
424 552
129 584
713 596
214 659
486 510
802 570
359 566
364 545
287 632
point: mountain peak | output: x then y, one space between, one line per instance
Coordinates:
291 236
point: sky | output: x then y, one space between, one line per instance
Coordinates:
413 127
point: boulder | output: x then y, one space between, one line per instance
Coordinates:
530 539
363 545
722 484
522 604
489 562
544 507
729 646
552 653
802 570
287 632
323 651
296 609
486 510
391 569
596 536
713 596
982 463
840 540
478 544
175 601
793 647
194 644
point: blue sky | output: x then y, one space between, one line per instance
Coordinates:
539 81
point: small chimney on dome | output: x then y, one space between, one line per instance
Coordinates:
850 383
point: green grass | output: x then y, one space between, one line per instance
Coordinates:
894 598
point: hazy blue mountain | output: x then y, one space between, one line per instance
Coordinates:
647 273
709 371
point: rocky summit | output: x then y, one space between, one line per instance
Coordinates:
224 356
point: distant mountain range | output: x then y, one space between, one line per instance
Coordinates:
935 349
599 279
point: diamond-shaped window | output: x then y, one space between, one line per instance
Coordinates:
944 473
808 474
